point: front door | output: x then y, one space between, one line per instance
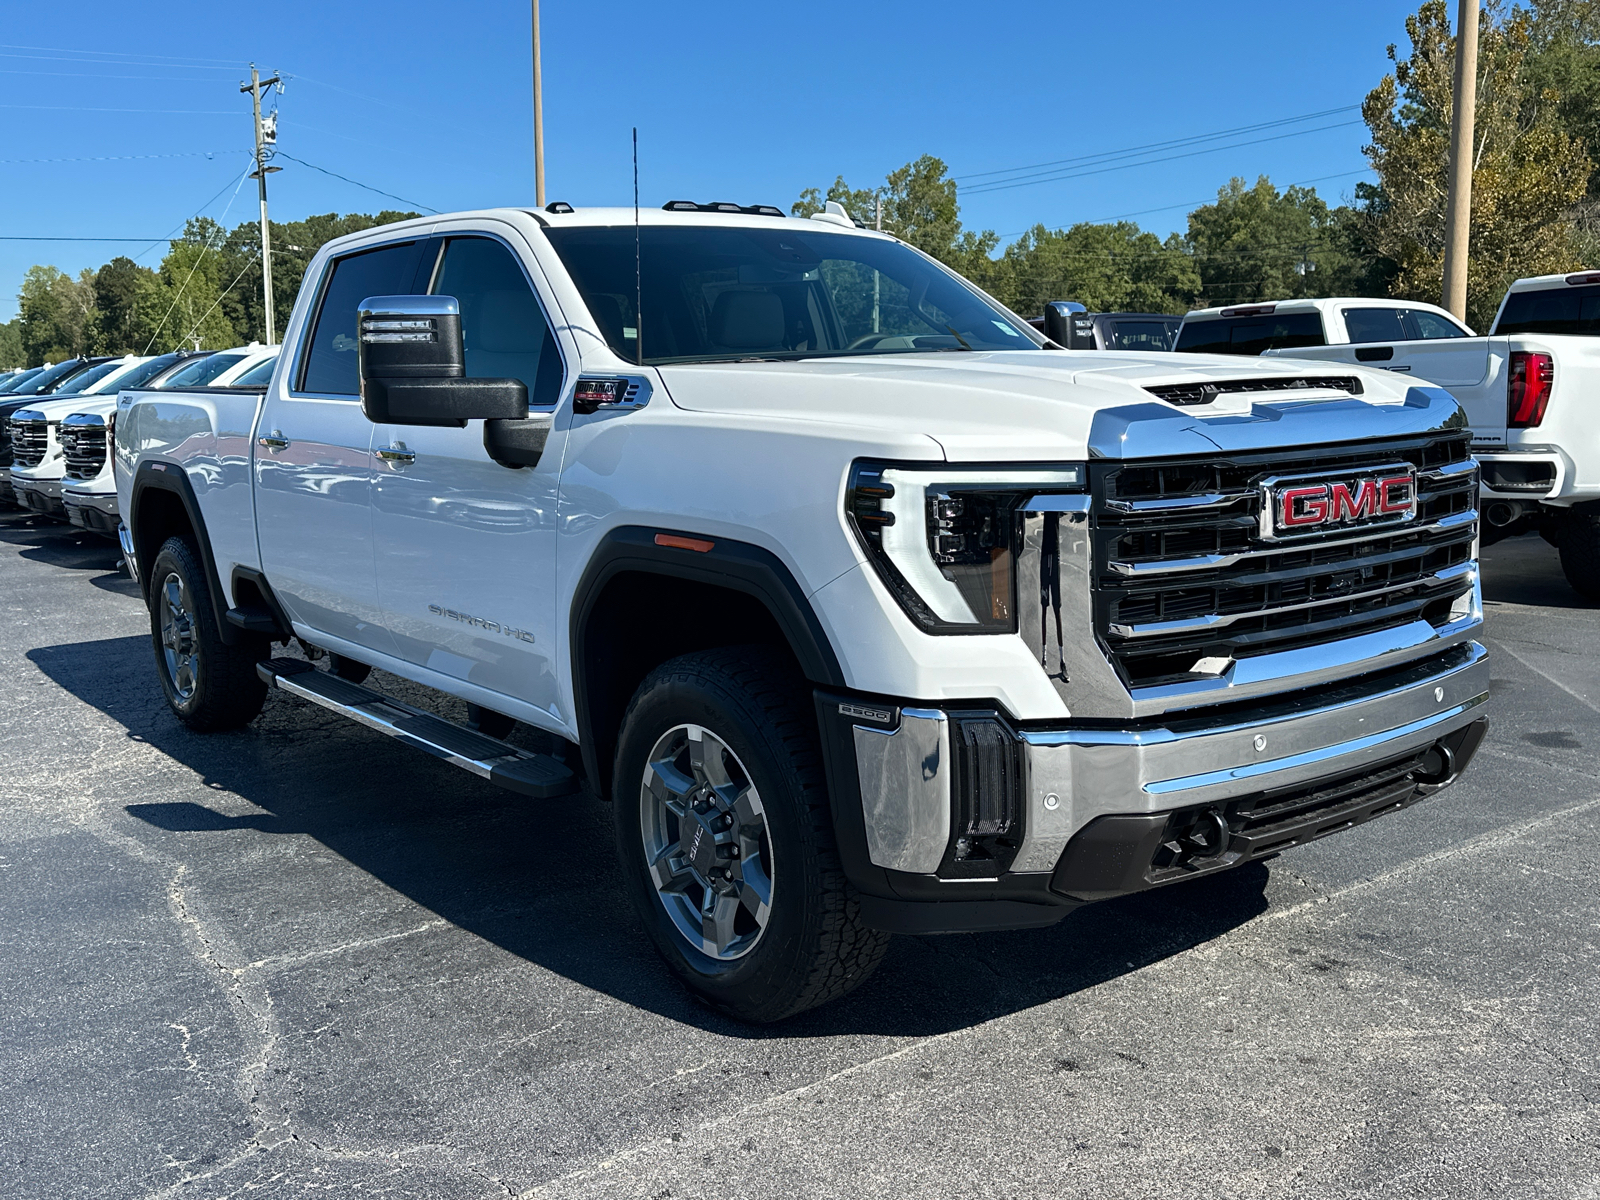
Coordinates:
314 465
465 548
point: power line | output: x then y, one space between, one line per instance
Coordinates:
347 179
1056 177
204 250
196 327
101 75
1184 141
72 53
12 238
185 112
123 157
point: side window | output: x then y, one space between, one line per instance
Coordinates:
330 361
1431 325
1374 325
505 331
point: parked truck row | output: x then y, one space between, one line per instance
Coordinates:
865 606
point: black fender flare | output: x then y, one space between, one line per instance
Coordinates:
735 565
163 476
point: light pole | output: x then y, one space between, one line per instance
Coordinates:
1458 220
538 115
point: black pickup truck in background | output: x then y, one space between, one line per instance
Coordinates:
1084 330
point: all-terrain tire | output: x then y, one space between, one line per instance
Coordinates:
209 684
813 947
1580 551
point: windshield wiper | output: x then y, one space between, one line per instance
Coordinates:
959 338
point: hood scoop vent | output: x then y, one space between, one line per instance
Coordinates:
1205 393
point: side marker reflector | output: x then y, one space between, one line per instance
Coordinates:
698 545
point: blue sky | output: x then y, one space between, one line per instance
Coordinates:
733 101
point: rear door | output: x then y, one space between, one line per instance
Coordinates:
313 458
1418 343
466 547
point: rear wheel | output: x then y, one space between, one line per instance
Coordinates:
209 684
1580 551
726 837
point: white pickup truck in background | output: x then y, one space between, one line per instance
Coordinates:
1523 387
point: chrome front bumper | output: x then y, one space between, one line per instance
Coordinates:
1075 775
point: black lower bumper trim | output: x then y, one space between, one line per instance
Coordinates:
1117 855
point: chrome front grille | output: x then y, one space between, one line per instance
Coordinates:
30 442
84 444
1184 585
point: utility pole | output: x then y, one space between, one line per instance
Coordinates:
264 138
538 115
1458 224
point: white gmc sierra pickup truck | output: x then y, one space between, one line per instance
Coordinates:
867 610
1525 387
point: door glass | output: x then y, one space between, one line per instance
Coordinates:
505 331
1374 325
1432 325
202 371
330 366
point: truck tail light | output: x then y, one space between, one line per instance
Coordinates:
1528 391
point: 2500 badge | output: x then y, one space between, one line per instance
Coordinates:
522 635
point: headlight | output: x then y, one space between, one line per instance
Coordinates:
945 539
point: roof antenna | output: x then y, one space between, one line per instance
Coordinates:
638 272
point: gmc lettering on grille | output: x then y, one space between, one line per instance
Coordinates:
1309 504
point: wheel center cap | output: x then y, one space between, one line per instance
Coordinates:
699 843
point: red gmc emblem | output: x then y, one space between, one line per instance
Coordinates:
1306 504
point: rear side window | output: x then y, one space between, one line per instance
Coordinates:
504 330
1141 335
1252 335
1374 325
259 375
330 361
1398 325
201 371
1552 310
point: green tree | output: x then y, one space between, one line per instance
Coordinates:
57 314
918 206
294 244
11 352
1108 268
122 290
1257 243
1528 170
183 303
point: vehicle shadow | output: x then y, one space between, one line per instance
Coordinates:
539 880
58 544
1526 570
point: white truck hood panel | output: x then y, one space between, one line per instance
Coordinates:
987 407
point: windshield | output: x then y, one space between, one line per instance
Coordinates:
1552 310
17 381
259 375
48 376
81 383
1251 335
720 294
202 371
130 375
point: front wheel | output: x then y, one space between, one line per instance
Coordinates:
726 837
209 684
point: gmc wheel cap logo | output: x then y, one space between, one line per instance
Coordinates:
1300 505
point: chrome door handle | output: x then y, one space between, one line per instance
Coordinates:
273 441
397 454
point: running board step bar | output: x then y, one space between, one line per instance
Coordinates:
538 775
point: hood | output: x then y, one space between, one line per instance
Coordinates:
54 410
1007 405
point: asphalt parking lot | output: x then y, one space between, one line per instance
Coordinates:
299 960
